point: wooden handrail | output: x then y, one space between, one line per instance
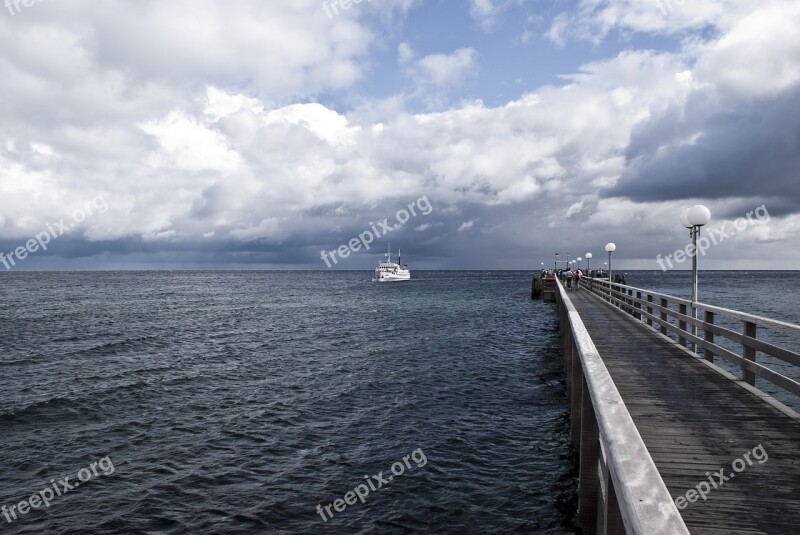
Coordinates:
786 327
628 485
790 328
643 308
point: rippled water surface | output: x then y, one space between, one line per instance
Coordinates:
236 402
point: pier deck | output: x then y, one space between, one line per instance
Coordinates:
695 421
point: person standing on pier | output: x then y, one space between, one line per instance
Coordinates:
568 276
578 276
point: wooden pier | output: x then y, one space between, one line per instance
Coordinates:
544 285
658 425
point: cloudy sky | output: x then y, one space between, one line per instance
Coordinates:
255 134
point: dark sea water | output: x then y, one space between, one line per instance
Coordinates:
237 402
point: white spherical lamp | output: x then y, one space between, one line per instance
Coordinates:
698 215
685 218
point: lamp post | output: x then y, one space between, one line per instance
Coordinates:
588 257
578 262
610 248
693 218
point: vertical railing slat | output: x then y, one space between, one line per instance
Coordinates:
709 336
749 353
589 481
613 520
682 326
576 394
638 306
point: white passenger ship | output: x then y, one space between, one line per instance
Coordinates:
391 272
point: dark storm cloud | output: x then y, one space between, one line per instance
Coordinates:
743 149
432 241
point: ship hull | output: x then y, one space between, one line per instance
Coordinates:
393 277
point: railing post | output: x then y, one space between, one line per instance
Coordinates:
664 304
709 336
682 326
568 360
576 395
613 518
749 353
638 306
589 480
650 310
563 335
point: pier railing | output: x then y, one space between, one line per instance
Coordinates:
696 325
620 489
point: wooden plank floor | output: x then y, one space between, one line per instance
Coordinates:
695 422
